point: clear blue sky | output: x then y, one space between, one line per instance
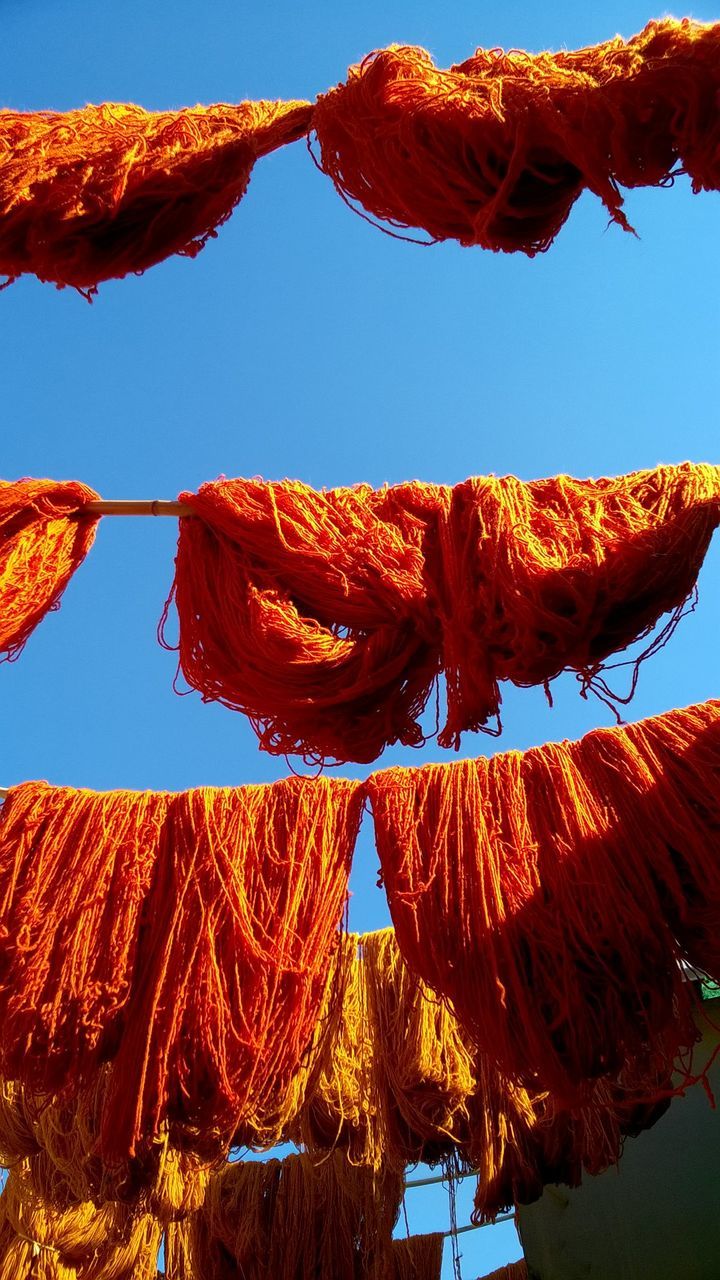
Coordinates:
304 343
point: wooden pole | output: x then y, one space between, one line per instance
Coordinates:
131 507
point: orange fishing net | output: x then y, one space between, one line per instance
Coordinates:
186 937
496 150
43 540
550 895
289 1220
327 616
108 190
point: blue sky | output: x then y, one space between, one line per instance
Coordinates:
304 343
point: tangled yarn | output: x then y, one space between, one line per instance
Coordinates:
551 895
326 617
109 190
496 150
43 539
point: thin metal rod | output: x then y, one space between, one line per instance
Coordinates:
132 507
440 1177
477 1226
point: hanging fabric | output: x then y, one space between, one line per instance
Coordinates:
401 1083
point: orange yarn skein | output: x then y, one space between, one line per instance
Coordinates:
42 543
496 150
108 190
550 895
326 617
187 939
75 867
240 925
290 1220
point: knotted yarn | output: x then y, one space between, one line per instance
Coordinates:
495 151
240 925
550 895
112 189
327 617
289 1220
44 538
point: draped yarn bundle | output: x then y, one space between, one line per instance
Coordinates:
108 190
289 1220
401 1083
185 939
242 918
44 538
75 867
550 895
326 617
512 1271
495 151
321 631
396 1073
46 1234
417 1257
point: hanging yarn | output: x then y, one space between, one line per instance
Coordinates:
161 1180
47 1235
326 617
108 190
418 1257
186 938
496 150
240 924
74 869
289 1220
43 539
402 1084
512 1271
321 631
550 895
17 1138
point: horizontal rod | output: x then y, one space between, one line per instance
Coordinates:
441 1177
131 507
477 1226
